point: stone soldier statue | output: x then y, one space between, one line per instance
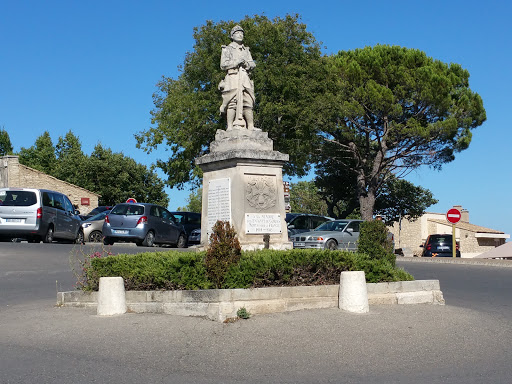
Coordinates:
237 87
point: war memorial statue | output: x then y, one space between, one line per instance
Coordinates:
242 174
237 87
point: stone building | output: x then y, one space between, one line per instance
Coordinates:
14 174
473 239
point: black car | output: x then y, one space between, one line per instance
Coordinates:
303 222
439 246
191 221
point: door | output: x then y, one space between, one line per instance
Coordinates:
351 236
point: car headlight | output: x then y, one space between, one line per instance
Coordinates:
315 238
86 225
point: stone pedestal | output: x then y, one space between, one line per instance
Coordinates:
243 184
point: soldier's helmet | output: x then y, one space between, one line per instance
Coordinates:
236 28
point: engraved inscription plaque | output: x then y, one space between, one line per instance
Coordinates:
256 223
219 201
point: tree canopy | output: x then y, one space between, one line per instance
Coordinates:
287 76
114 176
5 143
374 112
396 199
390 110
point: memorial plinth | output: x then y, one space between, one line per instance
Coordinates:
243 184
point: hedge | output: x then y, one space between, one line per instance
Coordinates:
172 270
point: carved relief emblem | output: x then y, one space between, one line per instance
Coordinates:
260 192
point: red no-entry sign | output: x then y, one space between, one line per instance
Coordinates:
453 215
131 200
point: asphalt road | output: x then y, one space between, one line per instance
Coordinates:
466 341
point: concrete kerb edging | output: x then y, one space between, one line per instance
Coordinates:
221 304
456 260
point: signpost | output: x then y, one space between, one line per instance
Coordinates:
453 216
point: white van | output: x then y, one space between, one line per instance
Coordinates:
38 214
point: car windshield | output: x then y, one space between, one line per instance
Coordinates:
99 216
332 226
127 209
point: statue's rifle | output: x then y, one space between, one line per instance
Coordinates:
239 120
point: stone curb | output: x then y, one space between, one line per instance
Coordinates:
221 304
451 260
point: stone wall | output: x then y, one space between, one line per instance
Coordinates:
14 174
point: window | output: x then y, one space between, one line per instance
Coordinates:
354 225
18 198
301 222
316 221
67 205
195 219
58 201
154 211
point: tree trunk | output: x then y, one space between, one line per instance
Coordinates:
366 204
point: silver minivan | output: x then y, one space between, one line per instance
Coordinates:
38 214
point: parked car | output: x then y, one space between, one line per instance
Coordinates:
303 222
95 211
195 236
439 246
143 223
93 227
191 221
335 234
38 214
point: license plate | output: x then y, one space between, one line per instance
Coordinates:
120 231
299 244
14 220
443 248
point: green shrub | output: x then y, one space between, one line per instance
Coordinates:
186 270
374 240
223 252
152 271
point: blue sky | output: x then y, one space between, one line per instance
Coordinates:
91 67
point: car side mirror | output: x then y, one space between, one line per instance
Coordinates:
291 226
350 229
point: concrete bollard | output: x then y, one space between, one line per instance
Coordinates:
353 296
111 296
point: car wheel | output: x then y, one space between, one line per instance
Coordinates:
182 241
48 238
79 237
331 244
149 240
95 237
108 241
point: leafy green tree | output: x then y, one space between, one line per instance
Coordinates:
288 75
305 197
195 201
397 198
112 175
41 155
400 198
390 110
5 143
71 161
117 177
